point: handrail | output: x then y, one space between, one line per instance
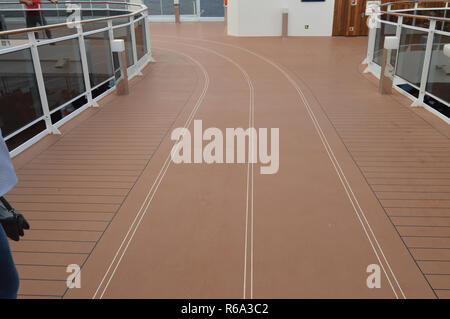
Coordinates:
52 115
59 25
416 16
398 14
412 1
420 66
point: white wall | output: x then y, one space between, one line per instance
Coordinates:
264 17
233 18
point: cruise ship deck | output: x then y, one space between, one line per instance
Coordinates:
363 179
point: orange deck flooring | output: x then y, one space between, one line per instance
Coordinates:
363 179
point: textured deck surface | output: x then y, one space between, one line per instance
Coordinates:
364 179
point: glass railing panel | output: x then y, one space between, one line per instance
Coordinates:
91 26
154 7
61 66
431 4
167 7
118 21
383 31
408 20
376 49
48 5
12 20
17 6
188 7
103 88
45 17
438 82
93 14
125 34
98 5
422 23
141 40
85 6
399 6
99 57
446 27
388 17
123 7
113 13
212 8
61 113
411 55
62 71
20 102
57 32
25 135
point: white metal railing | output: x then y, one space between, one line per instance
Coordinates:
136 17
398 22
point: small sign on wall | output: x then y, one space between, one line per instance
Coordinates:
354 2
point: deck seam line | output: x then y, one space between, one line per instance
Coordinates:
195 107
147 161
325 142
369 185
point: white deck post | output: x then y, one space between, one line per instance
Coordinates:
133 40
110 31
147 35
51 129
371 38
84 63
370 47
398 34
426 64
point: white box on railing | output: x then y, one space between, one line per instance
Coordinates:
118 45
447 50
391 43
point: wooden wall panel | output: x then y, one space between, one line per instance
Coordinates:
349 20
340 17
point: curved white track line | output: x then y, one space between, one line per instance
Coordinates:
154 188
167 164
349 191
250 184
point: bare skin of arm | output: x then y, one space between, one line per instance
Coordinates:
29 2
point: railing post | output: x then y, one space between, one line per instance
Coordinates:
133 41
370 12
443 22
426 64
398 34
84 64
111 39
370 48
133 46
416 5
110 31
147 35
51 129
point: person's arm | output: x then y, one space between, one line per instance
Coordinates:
54 1
28 2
